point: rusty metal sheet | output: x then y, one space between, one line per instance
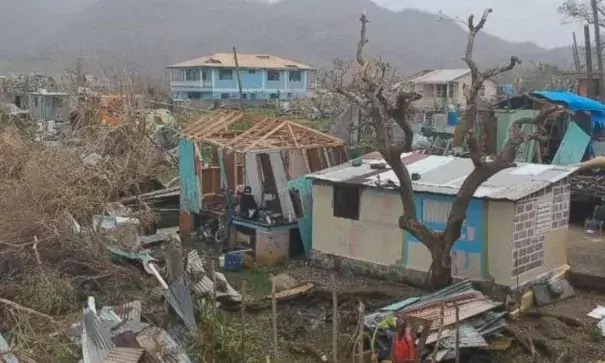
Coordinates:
469 338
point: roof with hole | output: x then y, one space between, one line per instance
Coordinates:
263 134
445 174
245 60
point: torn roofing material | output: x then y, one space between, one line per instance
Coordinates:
445 175
5 354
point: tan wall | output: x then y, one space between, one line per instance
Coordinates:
374 237
499 230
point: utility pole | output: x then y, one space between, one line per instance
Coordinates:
591 93
239 79
576 56
597 38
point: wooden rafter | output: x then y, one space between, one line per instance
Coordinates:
215 125
264 134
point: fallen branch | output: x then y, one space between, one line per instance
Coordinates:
565 319
26 309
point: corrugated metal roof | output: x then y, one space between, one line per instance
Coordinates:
437 76
445 174
249 61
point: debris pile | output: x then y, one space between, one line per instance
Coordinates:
478 322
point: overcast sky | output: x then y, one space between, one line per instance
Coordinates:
516 20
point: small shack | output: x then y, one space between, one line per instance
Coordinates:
267 155
516 228
44 105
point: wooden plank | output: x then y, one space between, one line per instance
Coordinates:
252 175
281 184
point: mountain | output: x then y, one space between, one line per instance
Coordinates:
150 34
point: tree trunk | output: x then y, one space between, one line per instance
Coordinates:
441 270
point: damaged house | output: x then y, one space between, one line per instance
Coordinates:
516 228
262 158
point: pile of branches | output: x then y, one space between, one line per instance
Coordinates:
43 189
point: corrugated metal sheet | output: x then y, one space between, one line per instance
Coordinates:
180 299
124 355
573 147
445 174
438 76
190 184
96 343
5 356
163 345
128 312
202 285
469 338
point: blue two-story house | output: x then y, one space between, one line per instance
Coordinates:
263 77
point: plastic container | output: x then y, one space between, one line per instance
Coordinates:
233 261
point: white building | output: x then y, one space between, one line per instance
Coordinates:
442 87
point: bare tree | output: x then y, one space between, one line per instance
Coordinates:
478 78
374 86
582 10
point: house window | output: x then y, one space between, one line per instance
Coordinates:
224 96
440 90
192 74
176 75
225 75
482 91
450 90
295 76
419 88
272 75
252 71
195 95
244 96
346 201
289 95
273 96
252 96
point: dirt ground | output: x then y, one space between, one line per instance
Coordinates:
586 252
307 321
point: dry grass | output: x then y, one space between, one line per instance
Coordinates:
44 264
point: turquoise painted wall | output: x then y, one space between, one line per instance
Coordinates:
305 224
473 236
190 199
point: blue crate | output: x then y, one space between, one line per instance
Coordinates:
234 261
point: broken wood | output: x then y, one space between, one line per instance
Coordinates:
565 319
441 318
334 320
26 309
320 292
243 312
274 320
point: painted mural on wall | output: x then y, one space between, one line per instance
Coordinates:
434 211
534 216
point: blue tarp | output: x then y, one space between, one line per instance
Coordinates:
576 102
573 101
